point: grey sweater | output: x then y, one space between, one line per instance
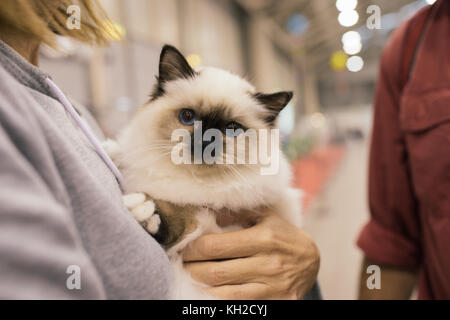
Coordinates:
61 215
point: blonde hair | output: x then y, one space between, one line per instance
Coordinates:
44 19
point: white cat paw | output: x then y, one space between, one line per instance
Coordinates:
146 216
144 211
152 224
133 200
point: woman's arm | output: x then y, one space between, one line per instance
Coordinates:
271 260
38 240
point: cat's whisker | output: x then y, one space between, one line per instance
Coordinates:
244 180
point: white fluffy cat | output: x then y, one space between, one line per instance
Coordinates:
177 203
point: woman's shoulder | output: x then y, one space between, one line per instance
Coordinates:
15 103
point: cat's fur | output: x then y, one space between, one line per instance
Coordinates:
186 197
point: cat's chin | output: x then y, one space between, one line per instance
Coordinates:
242 190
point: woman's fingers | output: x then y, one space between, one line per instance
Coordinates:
272 259
234 271
236 244
247 291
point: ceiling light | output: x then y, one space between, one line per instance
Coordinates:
344 5
351 41
348 18
355 63
352 48
351 37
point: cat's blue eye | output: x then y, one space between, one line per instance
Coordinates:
187 117
233 129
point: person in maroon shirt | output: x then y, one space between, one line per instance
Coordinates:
408 234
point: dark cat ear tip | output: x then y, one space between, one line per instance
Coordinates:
290 94
168 47
287 95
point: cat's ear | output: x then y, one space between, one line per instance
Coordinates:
172 66
274 103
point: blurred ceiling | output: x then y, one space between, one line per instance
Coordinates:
323 34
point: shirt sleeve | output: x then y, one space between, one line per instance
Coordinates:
392 235
41 256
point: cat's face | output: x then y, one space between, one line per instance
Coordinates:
201 101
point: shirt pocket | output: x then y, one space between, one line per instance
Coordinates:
425 122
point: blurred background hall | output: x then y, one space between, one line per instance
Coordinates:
326 51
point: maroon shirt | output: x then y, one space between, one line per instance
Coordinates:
409 172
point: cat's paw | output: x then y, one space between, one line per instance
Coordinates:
143 210
152 223
133 200
146 215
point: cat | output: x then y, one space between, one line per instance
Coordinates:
178 202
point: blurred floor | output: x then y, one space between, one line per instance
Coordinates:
313 171
334 221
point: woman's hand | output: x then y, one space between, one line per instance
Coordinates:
271 260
